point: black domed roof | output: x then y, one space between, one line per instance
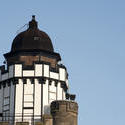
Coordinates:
32 40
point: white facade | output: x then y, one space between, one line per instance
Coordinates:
27 94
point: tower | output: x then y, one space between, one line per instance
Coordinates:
33 79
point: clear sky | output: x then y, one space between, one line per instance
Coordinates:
90 36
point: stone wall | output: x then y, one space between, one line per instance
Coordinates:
29 60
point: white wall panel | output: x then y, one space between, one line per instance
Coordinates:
1 99
18 70
45 96
28 98
28 88
4 117
52 87
12 96
28 111
59 91
5 76
38 70
37 103
29 73
29 119
6 101
5 108
52 96
62 74
28 104
54 75
52 92
64 95
46 70
11 71
6 91
19 98
7 114
17 119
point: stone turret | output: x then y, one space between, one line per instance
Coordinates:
64 112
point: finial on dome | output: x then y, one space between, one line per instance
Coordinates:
33 23
33 17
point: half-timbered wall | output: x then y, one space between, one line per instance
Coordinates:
27 94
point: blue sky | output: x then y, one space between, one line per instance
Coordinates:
90 36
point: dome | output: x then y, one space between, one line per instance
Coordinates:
32 40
